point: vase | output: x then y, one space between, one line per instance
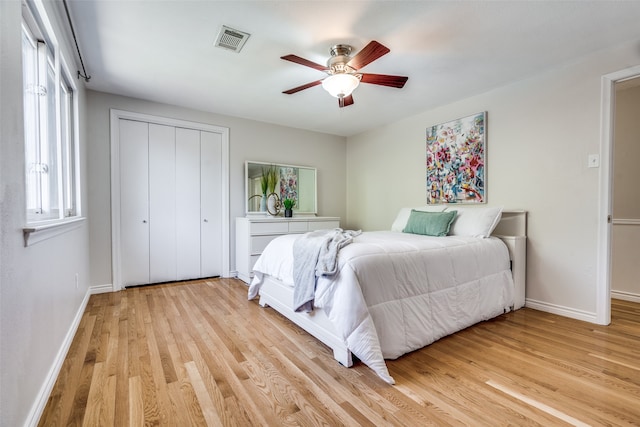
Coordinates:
288 213
273 204
263 203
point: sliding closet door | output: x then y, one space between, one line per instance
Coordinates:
134 202
162 207
187 201
211 209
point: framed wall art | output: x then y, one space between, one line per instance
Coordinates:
456 161
289 183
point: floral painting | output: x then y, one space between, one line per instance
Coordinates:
289 183
456 161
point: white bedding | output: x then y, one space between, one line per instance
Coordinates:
397 292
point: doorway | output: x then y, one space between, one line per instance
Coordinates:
625 243
605 226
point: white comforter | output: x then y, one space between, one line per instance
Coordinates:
397 292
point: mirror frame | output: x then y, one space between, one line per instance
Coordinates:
249 195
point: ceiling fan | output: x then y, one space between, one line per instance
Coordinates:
343 71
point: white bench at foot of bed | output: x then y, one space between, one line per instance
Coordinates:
278 296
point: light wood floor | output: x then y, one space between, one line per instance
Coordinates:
199 353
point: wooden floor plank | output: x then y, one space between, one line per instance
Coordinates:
94 400
121 414
198 353
136 403
59 401
107 412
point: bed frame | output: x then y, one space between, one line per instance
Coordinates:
511 229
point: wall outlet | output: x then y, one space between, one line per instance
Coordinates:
593 161
77 282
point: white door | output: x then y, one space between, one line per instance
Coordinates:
211 206
187 201
134 202
162 207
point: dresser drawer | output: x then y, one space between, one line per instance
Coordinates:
252 262
323 225
279 227
298 227
258 243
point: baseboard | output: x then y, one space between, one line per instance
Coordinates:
52 376
626 296
561 310
101 289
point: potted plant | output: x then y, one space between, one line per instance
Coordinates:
272 178
288 207
268 182
264 184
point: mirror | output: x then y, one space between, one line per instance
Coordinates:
288 182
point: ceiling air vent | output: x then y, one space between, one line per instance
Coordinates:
231 39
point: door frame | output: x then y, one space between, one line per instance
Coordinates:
605 190
115 116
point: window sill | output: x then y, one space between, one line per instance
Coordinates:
40 232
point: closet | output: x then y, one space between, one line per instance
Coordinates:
170 211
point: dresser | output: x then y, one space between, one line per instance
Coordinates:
253 235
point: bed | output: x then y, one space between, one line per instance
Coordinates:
396 292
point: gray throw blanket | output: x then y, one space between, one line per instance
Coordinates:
315 254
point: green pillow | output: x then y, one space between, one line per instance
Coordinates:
429 223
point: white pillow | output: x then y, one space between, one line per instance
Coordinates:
474 222
403 216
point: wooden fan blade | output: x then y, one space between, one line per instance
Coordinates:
305 62
303 87
384 80
368 54
345 101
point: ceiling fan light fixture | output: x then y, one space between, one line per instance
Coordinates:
344 71
340 85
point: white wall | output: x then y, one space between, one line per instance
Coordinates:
38 295
540 132
249 140
625 281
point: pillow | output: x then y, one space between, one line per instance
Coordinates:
403 216
475 222
429 223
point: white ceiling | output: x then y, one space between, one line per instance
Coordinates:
164 51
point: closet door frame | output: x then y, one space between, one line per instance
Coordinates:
115 117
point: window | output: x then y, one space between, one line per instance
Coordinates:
49 121
68 147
